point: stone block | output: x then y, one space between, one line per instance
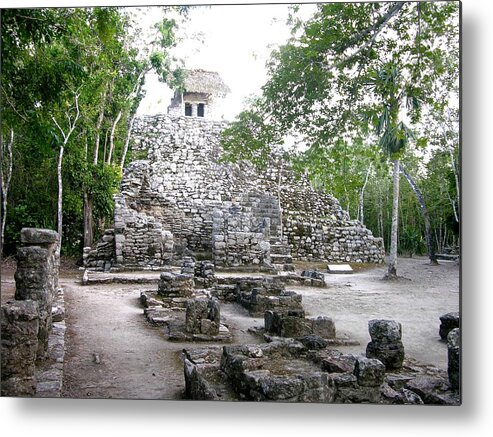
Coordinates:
448 321
197 311
295 327
336 362
272 322
313 342
172 284
20 329
324 327
369 372
35 236
453 367
385 331
339 269
390 354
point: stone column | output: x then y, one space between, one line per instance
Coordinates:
194 109
19 327
453 345
386 344
36 277
203 316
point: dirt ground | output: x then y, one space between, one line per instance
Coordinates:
416 300
113 352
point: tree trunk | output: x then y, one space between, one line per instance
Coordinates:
361 200
60 193
98 127
112 137
392 269
88 220
66 137
456 174
127 141
426 215
6 178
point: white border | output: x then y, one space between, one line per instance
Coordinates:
165 418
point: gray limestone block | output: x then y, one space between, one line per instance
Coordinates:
32 256
269 322
449 321
214 311
295 327
324 327
196 310
336 362
453 344
20 329
35 236
208 327
369 372
275 388
385 331
313 342
166 276
390 354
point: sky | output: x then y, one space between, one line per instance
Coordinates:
235 41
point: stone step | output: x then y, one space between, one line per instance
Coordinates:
281 259
280 249
284 267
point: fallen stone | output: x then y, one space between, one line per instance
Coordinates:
369 372
313 342
57 314
448 321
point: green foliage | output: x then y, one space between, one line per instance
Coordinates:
360 83
48 57
20 216
411 242
102 183
249 138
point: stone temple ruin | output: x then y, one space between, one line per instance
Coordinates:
220 234
200 95
182 206
182 199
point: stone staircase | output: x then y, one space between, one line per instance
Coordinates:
280 255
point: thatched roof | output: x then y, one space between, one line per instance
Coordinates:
208 82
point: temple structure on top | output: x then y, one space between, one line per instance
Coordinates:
201 93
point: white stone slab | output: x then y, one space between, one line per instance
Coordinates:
339 268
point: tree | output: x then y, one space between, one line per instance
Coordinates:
357 73
66 134
424 212
71 144
6 176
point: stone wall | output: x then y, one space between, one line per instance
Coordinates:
239 238
175 199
